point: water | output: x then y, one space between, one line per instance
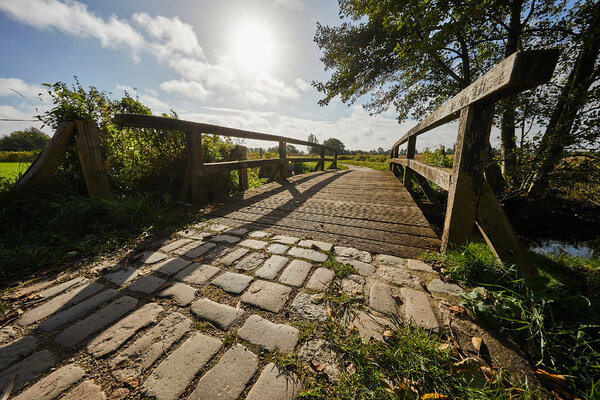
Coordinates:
577 249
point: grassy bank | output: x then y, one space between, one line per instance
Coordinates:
11 170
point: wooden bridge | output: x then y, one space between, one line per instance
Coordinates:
361 208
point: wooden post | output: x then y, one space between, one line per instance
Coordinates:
40 171
470 161
410 154
334 165
322 159
87 143
282 156
243 172
196 163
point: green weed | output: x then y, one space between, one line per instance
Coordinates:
341 270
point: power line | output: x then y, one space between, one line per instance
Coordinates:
19 120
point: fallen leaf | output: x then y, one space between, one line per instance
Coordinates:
133 382
119 394
351 369
458 310
387 334
556 383
444 346
431 396
477 342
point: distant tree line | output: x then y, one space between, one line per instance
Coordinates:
29 139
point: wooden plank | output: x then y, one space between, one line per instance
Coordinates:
87 143
282 155
197 173
243 172
307 159
410 155
438 175
500 234
520 71
322 159
154 122
470 160
233 165
45 165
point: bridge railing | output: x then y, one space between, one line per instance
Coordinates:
194 182
471 200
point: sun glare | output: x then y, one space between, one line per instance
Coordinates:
253 48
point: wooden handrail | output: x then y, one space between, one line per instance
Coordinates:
154 122
471 202
520 71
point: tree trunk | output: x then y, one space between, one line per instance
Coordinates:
573 96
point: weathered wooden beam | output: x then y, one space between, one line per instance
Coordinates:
438 175
424 185
411 148
243 172
233 165
154 122
306 159
322 159
282 156
45 165
87 143
500 234
197 172
470 161
520 71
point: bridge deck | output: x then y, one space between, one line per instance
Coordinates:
362 208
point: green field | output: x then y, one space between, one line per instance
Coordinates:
11 170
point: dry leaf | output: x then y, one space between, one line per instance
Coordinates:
458 310
477 342
133 382
444 346
432 396
388 334
351 369
329 312
119 394
556 383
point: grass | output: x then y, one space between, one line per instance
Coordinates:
12 170
379 166
341 270
558 327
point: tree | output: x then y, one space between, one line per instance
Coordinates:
313 139
26 140
292 150
335 144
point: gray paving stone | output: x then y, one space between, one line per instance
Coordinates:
71 314
146 284
16 350
418 265
216 253
315 244
188 247
140 356
112 338
285 239
390 260
181 293
417 309
236 231
171 266
54 384
221 315
86 390
277 248
225 239
197 274
167 248
322 353
254 244
264 333
77 332
398 276
232 282
251 261
174 374
150 257
217 227
193 233
310 306
259 234
362 268
353 285
28 369
54 290
60 303
267 295
235 255
200 250
369 326
349 252
381 300
271 267
308 254
228 379
121 277
321 279
295 273
273 384
439 286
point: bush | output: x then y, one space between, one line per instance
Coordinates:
18 156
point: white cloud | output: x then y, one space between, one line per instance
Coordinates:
190 89
302 85
169 36
218 75
28 90
293 4
73 18
268 90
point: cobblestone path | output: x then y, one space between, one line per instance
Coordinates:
194 316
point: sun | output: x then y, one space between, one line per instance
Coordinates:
253 48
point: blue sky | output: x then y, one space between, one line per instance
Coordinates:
243 64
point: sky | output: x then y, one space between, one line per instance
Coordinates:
242 64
